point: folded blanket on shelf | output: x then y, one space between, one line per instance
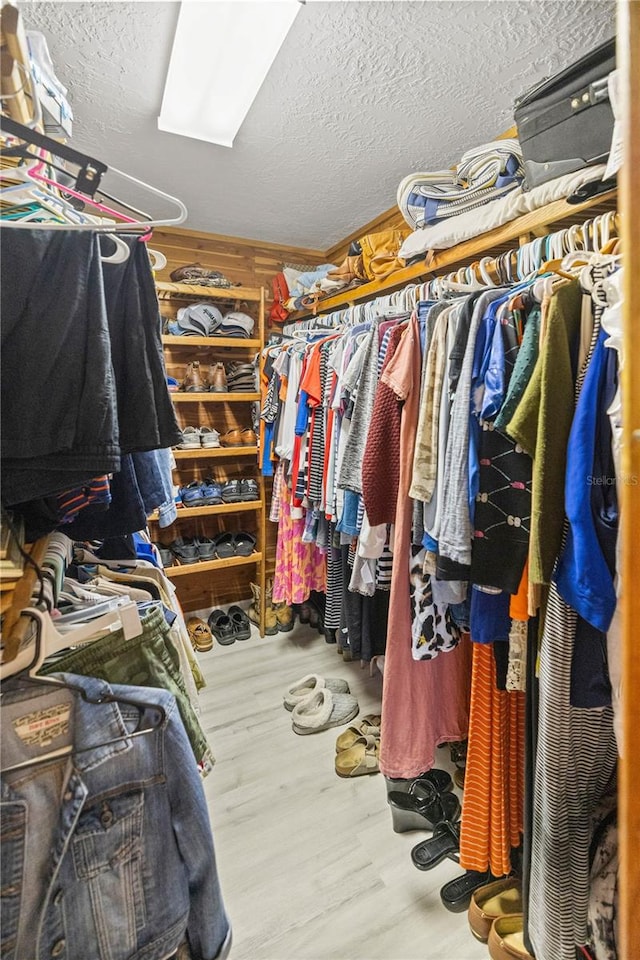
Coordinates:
454 230
483 173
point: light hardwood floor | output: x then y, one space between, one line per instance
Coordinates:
309 864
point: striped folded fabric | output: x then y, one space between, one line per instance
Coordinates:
483 174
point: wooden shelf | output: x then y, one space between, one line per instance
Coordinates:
182 397
184 513
169 340
558 215
205 453
203 566
187 291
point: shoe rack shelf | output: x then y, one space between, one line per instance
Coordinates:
184 513
203 585
236 397
215 453
203 566
169 340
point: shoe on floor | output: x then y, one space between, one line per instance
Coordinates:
360 759
200 635
241 623
506 940
308 685
221 627
497 899
369 726
284 616
322 710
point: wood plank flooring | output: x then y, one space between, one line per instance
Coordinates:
309 864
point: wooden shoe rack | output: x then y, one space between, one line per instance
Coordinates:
210 583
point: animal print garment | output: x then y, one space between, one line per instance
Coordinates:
433 630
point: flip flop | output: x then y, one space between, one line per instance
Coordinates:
244 543
456 894
444 843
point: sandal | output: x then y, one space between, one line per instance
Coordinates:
185 551
241 623
224 546
444 843
423 809
369 726
244 543
199 634
221 627
360 759
456 894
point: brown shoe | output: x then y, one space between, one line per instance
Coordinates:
506 939
218 378
496 899
193 381
238 438
271 622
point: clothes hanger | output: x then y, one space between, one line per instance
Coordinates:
87 180
124 616
151 715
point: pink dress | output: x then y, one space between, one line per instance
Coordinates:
424 702
300 567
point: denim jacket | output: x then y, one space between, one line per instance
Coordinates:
107 854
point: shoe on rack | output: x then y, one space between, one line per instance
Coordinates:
190 439
209 437
165 555
184 550
217 378
238 438
206 548
231 491
221 627
211 492
322 710
241 622
192 495
271 621
199 634
193 381
249 490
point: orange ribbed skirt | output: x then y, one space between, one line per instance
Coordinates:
493 805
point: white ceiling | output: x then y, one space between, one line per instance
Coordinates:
361 94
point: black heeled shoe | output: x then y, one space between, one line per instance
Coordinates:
423 808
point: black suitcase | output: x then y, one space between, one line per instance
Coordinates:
565 123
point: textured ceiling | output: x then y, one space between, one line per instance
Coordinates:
361 94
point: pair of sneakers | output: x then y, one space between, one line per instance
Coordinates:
193 438
202 493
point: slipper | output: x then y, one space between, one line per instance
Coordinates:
244 543
412 811
322 710
360 759
445 842
302 689
224 546
369 726
221 627
200 634
456 894
241 623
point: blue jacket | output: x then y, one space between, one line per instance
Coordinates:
107 854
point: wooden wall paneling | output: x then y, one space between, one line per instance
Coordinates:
628 54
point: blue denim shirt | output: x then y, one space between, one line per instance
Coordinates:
126 866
